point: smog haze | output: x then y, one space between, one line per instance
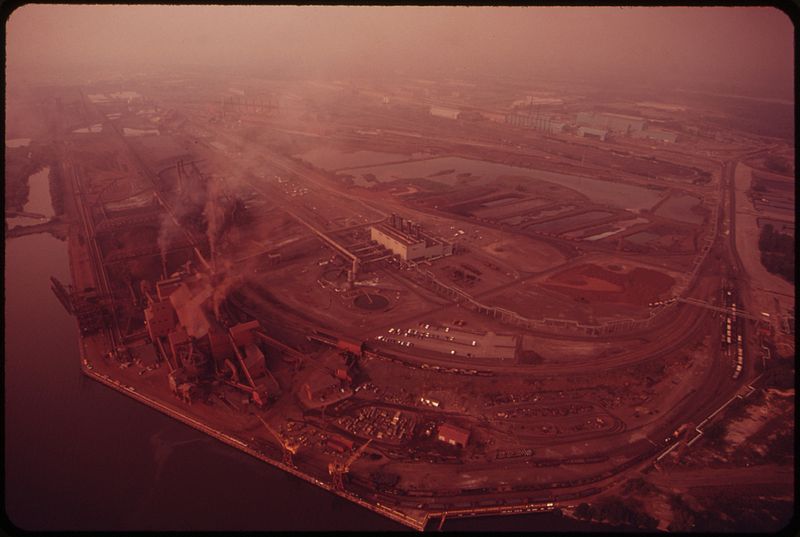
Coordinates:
744 50
400 267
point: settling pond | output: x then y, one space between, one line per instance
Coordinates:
332 159
446 170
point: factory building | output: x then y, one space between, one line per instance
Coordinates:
407 239
618 123
659 135
539 123
441 111
589 132
243 334
450 434
184 299
160 319
198 347
323 389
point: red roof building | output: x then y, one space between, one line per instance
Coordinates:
455 436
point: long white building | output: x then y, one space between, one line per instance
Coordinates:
407 239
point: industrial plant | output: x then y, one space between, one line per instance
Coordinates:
435 299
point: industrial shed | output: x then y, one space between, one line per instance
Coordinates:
455 436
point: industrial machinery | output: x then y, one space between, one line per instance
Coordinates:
337 469
289 448
89 307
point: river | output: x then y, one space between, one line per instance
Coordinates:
80 456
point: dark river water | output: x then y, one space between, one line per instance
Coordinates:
80 456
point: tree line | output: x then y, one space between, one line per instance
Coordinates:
777 252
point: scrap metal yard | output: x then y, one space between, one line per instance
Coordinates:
434 299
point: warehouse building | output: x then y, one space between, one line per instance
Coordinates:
539 123
407 239
450 434
449 113
589 132
659 135
618 123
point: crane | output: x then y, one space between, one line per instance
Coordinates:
289 448
338 469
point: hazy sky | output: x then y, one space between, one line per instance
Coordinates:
743 46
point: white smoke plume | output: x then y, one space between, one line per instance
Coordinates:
230 278
214 219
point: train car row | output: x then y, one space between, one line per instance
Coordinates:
739 357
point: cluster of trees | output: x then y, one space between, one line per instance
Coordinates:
638 486
16 192
686 519
777 252
781 449
615 510
17 168
715 434
732 511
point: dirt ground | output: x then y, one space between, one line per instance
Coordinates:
639 286
523 254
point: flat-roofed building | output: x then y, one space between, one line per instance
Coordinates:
160 318
244 333
589 132
450 434
622 123
441 111
613 122
539 123
659 135
407 239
